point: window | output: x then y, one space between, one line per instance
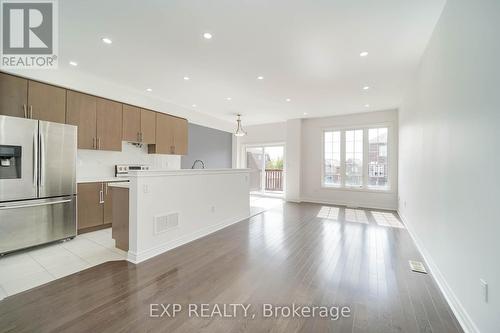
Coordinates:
377 157
332 175
356 158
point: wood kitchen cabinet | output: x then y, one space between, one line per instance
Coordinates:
131 128
13 96
99 121
81 111
30 99
94 206
109 125
108 204
46 102
180 136
148 126
139 125
171 135
90 209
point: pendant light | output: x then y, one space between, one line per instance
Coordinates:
239 130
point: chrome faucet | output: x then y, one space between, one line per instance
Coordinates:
202 164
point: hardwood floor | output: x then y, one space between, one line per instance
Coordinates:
305 254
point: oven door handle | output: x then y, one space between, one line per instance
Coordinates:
35 204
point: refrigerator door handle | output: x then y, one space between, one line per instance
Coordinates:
35 160
41 160
35 204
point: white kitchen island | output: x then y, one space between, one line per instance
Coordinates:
171 208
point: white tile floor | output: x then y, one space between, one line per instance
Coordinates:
31 268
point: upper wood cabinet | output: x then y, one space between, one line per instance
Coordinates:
139 125
99 121
148 126
13 96
131 123
102 124
109 125
171 135
30 99
180 134
46 102
164 138
81 111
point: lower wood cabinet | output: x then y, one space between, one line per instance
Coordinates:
94 206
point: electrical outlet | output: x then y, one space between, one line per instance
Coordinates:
484 286
145 188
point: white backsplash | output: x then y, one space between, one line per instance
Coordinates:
101 164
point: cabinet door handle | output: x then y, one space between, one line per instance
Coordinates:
106 188
98 143
93 143
101 194
31 111
25 111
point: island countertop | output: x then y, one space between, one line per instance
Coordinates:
184 172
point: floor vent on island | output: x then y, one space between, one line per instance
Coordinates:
164 223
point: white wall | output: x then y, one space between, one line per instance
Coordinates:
95 164
450 157
312 136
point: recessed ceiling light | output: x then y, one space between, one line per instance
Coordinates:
186 78
228 98
194 105
367 105
288 100
366 87
73 63
106 40
363 54
305 113
149 89
207 35
260 78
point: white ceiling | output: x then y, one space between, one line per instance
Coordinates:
306 50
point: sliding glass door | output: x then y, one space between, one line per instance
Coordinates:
266 168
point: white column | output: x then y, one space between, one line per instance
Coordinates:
293 160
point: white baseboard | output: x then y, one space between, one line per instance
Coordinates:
141 256
456 306
345 203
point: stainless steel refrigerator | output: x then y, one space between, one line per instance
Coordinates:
37 182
